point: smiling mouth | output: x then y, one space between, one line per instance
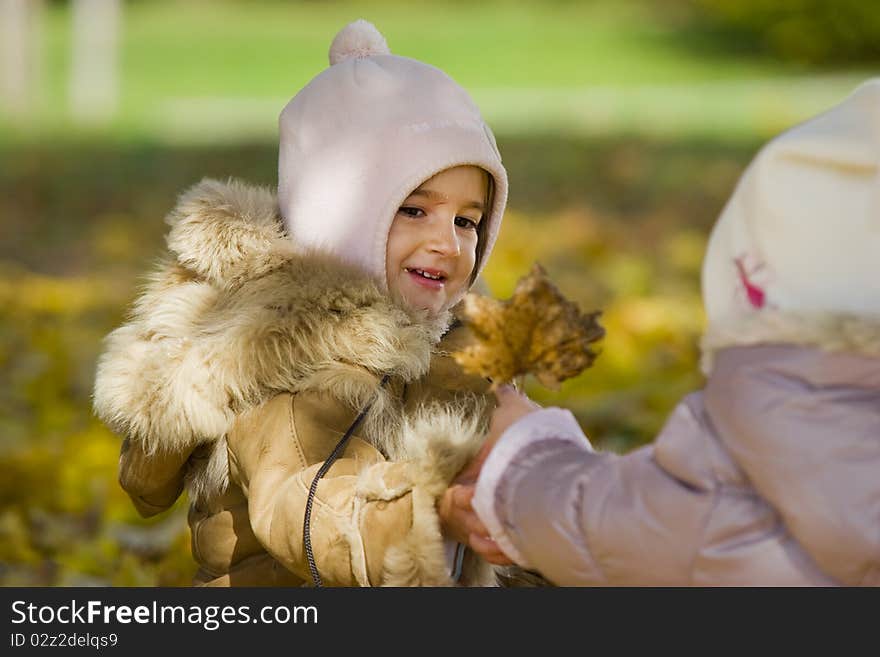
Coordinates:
430 276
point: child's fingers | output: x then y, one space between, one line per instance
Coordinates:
462 497
468 523
475 525
488 549
505 391
462 494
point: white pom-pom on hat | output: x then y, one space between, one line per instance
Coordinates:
357 40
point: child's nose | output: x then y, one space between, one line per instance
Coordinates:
444 238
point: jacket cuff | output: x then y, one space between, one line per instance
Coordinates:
552 424
418 555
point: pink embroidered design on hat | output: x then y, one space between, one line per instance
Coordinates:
755 294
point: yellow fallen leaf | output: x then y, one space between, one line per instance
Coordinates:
537 331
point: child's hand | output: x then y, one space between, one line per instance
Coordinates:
512 405
459 522
457 517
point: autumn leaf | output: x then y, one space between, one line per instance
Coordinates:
537 331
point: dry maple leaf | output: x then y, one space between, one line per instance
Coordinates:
537 331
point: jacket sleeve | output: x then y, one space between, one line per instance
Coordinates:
584 518
152 481
373 522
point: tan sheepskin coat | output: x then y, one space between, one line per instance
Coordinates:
241 366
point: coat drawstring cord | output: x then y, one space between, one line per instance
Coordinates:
313 489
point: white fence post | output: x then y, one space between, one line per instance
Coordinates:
94 85
20 52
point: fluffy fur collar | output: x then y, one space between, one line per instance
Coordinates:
830 332
235 315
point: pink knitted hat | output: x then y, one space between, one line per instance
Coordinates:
362 135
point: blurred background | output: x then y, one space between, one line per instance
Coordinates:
624 125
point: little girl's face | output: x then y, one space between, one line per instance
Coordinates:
432 244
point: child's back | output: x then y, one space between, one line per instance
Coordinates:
771 474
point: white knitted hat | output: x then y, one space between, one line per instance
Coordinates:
362 135
801 232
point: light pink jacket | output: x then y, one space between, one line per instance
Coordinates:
768 476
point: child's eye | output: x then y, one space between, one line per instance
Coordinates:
465 222
411 211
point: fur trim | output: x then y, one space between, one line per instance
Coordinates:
238 317
436 443
418 560
204 483
440 438
227 232
439 441
831 332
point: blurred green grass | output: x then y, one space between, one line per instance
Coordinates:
623 134
221 70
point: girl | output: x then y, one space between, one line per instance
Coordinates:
771 474
289 366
